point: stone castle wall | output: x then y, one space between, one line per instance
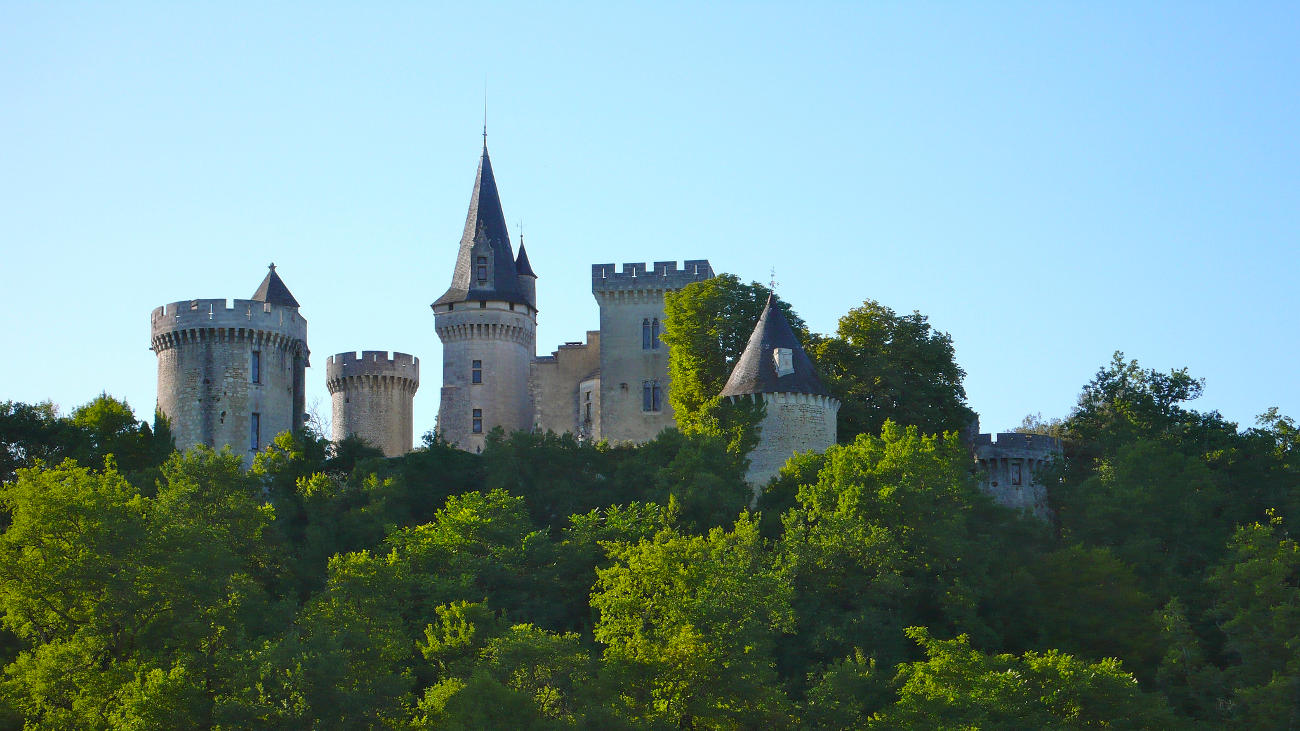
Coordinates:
207 387
1009 468
560 397
627 299
794 422
372 398
504 340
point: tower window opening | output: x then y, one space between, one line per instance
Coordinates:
1015 473
482 305
255 367
476 372
482 269
255 432
654 334
652 395
645 334
478 421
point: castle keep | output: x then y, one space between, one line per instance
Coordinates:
232 372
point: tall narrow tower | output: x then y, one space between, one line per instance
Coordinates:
232 372
487 322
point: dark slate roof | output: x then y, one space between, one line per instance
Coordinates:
522 267
485 219
272 290
755 369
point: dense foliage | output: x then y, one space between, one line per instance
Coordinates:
550 583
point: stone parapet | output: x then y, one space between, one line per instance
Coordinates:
373 363
661 276
240 318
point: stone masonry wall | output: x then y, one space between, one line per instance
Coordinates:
505 341
372 398
205 371
556 382
1009 468
626 300
795 422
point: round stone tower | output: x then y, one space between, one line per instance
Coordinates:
487 322
232 372
372 397
801 413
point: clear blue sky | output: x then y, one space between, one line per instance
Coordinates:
1048 182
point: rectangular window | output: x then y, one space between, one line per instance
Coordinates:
478 421
255 368
255 432
587 419
476 372
1015 473
482 269
652 396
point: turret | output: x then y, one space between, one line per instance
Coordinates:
372 398
232 372
487 322
527 279
801 413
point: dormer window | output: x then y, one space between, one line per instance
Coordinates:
784 361
482 269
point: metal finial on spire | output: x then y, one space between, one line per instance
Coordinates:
771 283
485 111
271 266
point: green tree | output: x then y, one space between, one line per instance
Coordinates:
32 432
706 327
958 687
888 367
1257 592
892 532
690 623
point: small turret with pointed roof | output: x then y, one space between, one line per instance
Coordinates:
272 290
485 263
527 279
799 413
773 361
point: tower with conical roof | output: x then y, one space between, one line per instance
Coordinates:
232 372
800 412
487 322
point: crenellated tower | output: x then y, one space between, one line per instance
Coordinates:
487 322
232 372
633 379
372 398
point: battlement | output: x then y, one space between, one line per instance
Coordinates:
662 275
1008 444
373 363
224 314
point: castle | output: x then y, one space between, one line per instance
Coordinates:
232 373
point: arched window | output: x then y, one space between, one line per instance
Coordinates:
645 335
654 335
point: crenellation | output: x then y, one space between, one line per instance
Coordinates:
372 397
661 275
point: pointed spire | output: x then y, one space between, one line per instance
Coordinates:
522 267
273 291
485 227
756 370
